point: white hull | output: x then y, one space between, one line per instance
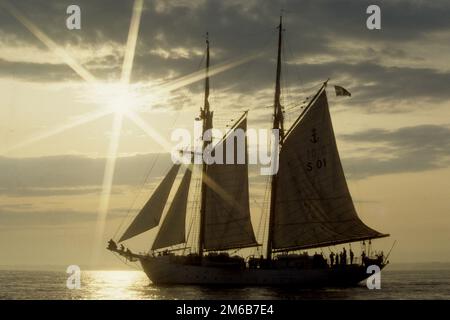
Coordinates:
167 270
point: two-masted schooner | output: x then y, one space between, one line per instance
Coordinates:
310 207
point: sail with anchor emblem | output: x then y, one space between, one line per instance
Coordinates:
313 204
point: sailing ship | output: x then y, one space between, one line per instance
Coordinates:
310 207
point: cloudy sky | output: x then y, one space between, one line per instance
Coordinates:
393 133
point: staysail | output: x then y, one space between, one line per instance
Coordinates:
313 205
150 215
172 230
227 210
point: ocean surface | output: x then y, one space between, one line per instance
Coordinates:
395 284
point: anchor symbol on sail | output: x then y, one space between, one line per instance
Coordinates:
314 138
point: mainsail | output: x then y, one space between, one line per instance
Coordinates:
172 230
227 210
150 215
313 206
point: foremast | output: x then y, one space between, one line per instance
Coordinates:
206 116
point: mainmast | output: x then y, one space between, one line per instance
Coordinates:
278 124
206 116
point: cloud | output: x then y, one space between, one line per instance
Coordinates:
183 22
46 192
45 72
378 88
63 175
31 217
388 71
79 175
408 149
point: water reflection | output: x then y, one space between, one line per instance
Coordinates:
123 285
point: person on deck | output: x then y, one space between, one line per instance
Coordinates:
363 257
344 257
112 245
351 256
331 259
380 257
315 260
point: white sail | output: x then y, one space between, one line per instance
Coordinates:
151 213
313 205
172 230
227 211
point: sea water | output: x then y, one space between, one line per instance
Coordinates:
396 283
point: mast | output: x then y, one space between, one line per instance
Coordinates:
206 116
278 119
278 123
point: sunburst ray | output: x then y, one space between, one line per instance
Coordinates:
108 176
200 75
86 118
132 41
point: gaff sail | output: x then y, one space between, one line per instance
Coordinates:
227 211
313 205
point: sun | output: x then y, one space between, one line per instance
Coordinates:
120 98
116 98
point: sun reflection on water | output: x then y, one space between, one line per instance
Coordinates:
113 285
134 285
